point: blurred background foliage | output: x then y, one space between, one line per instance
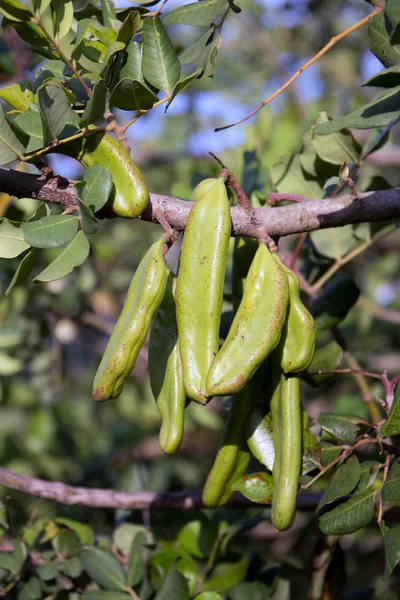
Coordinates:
52 336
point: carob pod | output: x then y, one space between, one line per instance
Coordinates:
233 455
165 370
287 436
256 328
200 286
144 296
130 195
296 347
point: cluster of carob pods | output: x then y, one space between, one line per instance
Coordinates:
271 338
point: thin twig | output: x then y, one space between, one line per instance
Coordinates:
339 458
352 371
65 59
243 201
334 40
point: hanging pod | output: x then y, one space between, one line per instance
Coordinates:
130 195
200 286
256 328
295 350
144 296
165 370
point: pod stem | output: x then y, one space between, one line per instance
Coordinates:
243 201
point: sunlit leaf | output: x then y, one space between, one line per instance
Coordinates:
197 14
12 241
160 64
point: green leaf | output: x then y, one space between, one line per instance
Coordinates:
132 67
63 11
96 187
96 106
82 530
198 14
129 27
226 575
342 426
342 482
101 595
325 359
174 587
289 177
334 302
259 433
12 241
208 596
11 146
50 570
160 64
391 540
391 487
8 562
18 95
81 32
197 537
369 472
328 452
15 10
31 123
50 231
338 147
195 52
129 94
89 221
24 268
381 111
392 425
111 50
379 33
136 570
257 487
108 12
103 568
349 516
210 63
72 256
388 78
253 590
392 11
72 567
334 242
42 210
31 590
55 110
182 84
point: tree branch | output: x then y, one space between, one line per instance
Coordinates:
101 498
279 221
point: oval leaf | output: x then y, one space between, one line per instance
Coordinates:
342 482
257 487
197 14
160 64
50 231
104 568
12 241
349 516
72 256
